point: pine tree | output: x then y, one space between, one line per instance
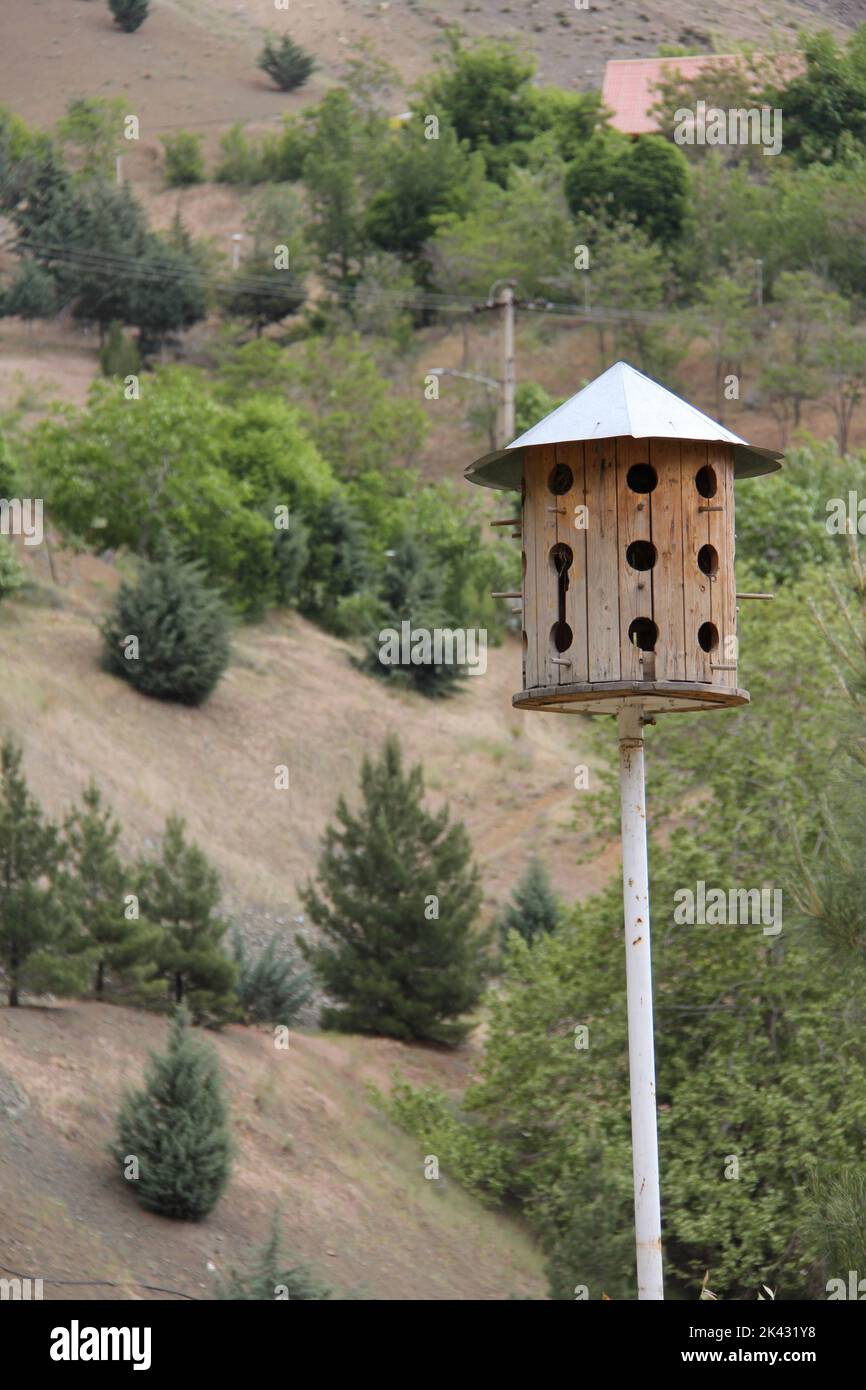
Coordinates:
268 1278
129 14
180 629
179 893
399 896
38 945
286 63
99 885
534 907
176 1130
270 987
411 593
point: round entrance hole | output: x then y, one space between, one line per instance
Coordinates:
561 636
561 558
642 477
641 555
561 479
708 560
708 637
643 633
705 481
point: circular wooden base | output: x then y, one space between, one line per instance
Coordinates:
608 697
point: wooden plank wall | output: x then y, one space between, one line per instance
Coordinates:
666 507
697 602
605 594
602 561
635 586
569 533
724 591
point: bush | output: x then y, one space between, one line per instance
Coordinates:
120 356
129 14
176 1129
270 987
12 575
286 62
180 631
184 161
267 1278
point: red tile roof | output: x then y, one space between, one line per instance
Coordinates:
630 84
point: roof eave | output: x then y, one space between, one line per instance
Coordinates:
503 469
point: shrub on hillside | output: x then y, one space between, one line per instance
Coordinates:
168 634
119 356
129 14
286 63
11 574
267 1278
270 987
184 161
175 1128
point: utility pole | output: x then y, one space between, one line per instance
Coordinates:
759 289
118 169
506 300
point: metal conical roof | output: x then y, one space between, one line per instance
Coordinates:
622 401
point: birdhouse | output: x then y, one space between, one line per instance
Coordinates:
627 527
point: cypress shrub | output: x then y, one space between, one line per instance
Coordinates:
168 634
176 1128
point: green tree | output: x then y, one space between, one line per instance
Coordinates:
485 94
168 634
841 357
181 465
93 130
180 893
175 1128
825 106
286 63
423 179
270 987
129 14
348 405
534 909
268 1277
12 576
262 293
724 318
99 888
167 291
395 908
184 161
520 232
39 949
334 189
31 295
411 591
803 309
119 356
628 274
646 179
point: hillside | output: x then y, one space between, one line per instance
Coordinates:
193 63
354 1198
291 697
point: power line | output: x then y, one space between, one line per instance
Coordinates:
155 270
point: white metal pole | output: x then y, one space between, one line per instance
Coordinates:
638 967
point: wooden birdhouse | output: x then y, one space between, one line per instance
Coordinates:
627 526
